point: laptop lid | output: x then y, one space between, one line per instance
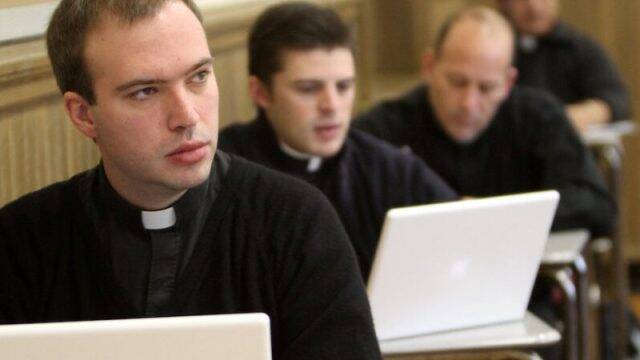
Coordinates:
459 264
233 337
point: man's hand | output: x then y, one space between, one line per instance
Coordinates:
588 112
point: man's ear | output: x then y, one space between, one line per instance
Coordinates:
259 92
78 110
428 63
512 77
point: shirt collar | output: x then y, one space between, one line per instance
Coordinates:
288 160
179 214
559 34
313 162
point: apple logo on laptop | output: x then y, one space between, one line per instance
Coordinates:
459 269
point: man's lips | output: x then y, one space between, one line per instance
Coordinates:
327 132
189 153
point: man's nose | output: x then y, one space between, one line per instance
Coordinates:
182 110
328 99
470 98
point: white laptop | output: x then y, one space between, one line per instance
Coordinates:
229 337
459 264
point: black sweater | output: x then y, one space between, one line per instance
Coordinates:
530 145
364 180
271 244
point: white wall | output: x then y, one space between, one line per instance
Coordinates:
24 21
31 20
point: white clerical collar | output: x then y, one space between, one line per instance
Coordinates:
528 43
313 162
160 219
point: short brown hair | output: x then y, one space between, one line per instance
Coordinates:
293 26
71 22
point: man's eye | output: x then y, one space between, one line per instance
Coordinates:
143 94
201 76
457 82
307 89
487 89
344 86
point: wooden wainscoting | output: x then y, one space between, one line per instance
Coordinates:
39 146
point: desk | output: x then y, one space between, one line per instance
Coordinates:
562 259
531 332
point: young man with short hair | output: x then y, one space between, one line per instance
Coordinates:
166 225
302 81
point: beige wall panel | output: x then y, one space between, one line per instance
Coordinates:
235 104
39 146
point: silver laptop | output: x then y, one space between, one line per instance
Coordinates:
232 337
457 265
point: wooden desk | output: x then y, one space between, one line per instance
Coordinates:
486 342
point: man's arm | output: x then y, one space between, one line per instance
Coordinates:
324 310
605 95
568 166
15 301
589 112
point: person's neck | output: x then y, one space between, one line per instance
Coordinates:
147 197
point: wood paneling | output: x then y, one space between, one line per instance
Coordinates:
39 146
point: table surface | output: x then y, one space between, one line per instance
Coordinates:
564 247
529 332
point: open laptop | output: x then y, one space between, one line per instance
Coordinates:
457 265
229 337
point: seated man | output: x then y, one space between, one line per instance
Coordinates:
166 225
485 137
302 80
553 56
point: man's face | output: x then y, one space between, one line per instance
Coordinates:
533 17
156 112
469 80
310 99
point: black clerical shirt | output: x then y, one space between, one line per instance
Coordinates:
147 262
572 67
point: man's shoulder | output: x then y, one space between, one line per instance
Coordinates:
237 128
232 136
533 113
529 100
390 119
247 179
403 105
375 150
50 199
399 170
577 41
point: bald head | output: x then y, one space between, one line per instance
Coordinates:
469 72
479 22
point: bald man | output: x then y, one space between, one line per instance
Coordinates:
486 137
553 56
